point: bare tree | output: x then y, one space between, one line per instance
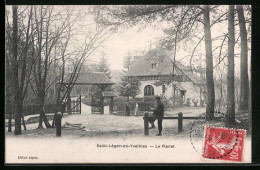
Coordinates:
230 118
185 19
93 40
47 35
209 65
20 64
18 129
244 84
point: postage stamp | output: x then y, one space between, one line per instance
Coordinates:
224 144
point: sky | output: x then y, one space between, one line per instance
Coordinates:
132 41
136 40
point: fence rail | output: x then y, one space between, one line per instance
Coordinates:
76 105
179 118
35 109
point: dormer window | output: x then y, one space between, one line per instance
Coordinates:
154 65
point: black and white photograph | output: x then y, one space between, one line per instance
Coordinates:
128 84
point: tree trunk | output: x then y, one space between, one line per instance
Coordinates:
209 65
244 84
18 129
230 118
24 126
41 116
45 120
69 103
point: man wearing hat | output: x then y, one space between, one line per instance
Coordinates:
158 112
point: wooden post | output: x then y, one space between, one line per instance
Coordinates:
102 87
111 106
58 124
80 104
200 97
92 103
180 120
102 104
9 122
174 95
69 104
146 129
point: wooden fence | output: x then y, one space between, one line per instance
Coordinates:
76 105
179 118
35 109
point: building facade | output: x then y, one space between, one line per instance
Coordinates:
156 78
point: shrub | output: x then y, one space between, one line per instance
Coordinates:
119 103
188 102
144 103
167 103
97 101
195 102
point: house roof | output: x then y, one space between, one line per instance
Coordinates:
142 66
90 78
180 87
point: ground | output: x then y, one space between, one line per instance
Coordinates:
114 130
112 125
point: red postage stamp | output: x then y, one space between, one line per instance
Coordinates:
223 144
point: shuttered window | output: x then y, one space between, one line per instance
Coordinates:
148 90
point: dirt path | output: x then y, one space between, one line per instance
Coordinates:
113 126
112 129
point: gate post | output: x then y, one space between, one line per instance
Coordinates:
111 106
146 129
80 104
180 120
58 124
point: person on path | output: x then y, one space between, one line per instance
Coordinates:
136 109
158 112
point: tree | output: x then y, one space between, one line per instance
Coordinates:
127 63
18 58
9 97
244 84
43 42
103 67
93 39
18 129
209 65
129 87
185 23
230 118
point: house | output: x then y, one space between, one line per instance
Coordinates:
155 75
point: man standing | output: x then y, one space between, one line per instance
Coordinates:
158 112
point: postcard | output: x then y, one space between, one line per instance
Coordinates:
128 84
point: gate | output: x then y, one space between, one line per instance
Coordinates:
76 105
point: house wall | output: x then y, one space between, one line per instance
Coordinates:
157 89
193 91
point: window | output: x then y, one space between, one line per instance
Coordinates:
148 90
154 65
183 95
163 88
